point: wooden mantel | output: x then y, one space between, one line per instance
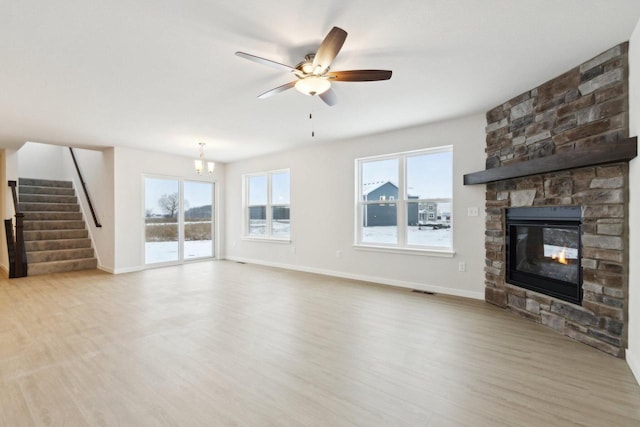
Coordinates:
612 152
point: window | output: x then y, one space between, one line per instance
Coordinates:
178 220
421 184
267 205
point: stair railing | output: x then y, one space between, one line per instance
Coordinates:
15 246
84 187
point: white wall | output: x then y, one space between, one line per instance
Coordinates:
4 257
10 168
322 211
130 167
42 161
97 170
633 352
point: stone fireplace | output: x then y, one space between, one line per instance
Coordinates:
584 108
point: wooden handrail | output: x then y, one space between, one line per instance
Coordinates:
84 187
13 184
19 251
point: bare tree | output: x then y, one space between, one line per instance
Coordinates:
169 204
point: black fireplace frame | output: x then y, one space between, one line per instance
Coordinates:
548 217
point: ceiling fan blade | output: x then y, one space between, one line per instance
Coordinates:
329 97
359 75
329 48
276 90
267 62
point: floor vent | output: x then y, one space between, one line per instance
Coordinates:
423 292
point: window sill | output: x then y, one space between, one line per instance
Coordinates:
285 240
440 253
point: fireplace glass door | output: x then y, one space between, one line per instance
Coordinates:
548 252
544 255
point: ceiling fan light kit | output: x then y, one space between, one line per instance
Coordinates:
313 73
313 85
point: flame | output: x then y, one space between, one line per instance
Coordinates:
561 257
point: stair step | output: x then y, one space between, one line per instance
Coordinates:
55 234
59 255
56 238
53 225
52 216
46 198
61 266
56 207
60 244
28 189
44 183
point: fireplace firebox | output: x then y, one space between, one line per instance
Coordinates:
543 250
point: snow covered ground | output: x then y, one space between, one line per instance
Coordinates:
168 251
415 236
258 227
156 252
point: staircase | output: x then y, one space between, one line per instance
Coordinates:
55 235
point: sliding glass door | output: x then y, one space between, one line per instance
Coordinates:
178 220
161 212
198 219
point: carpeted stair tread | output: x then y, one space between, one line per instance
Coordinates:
61 266
59 255
46 198
54 225
44 183
60 244
58 191
52 216
56 207
54 234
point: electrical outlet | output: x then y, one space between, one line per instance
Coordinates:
472 211
338 253
293 249
462 266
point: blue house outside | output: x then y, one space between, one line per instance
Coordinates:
385 213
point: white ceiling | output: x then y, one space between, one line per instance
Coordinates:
162 75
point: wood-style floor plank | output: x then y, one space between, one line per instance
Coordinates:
222 343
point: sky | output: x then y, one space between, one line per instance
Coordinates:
280 189
429 176
196 193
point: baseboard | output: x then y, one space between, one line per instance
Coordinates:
106 269
380 280
634 363
124 270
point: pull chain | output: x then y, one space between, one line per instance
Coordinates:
313 128
313 132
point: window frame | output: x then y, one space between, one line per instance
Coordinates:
402 203
246 189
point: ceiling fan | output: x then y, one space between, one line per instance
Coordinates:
313 74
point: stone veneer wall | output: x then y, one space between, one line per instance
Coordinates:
587 105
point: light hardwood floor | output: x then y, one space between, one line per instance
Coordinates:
221 343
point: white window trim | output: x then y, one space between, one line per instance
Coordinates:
402 201
269 206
